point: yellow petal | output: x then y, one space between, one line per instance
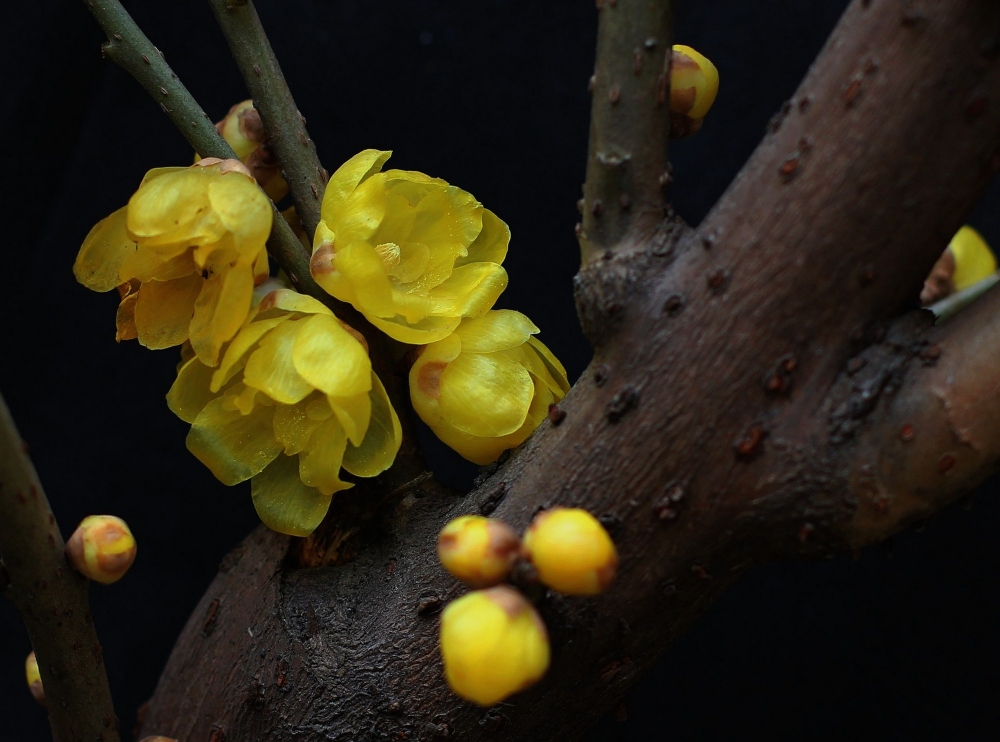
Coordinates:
354 413
164 309
125 318
294 425
350 174
427 330
270 367
469 291
283 502
556 369
243 210
105 250
236 353
695 73
497 330
221 308
319 465
485 394
491 244
233 446
329 358
359 216
361 266
190 391
973 259
261 268
288 300
173 207
381 443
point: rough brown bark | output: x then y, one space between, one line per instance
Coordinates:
759 390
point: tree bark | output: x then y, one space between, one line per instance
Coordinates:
763 387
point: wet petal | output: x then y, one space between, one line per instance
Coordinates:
319 465
491 244
294 426
164 309
329 358
350 174
190 391
233 446
283 502
470 291
271 369
381 442
485 394
105 250
500 329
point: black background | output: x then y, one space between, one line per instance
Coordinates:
490 95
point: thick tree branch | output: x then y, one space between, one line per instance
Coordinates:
128 47
738 388
52 599
285 125
627 168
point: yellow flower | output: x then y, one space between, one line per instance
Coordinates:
244 131
189 247
101 548
694 83
493 644
412 253
488 385
479 551
293 400
974 260
571 551
34 679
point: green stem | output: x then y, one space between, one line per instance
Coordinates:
627 168
52 599
128 47
284 124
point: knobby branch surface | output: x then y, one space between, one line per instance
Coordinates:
749 387
52 599
627 167
285 125
129 48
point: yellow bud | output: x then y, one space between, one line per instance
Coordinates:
974 260
34 678
694 83
244 131
571 551
479 551
493 644
101 548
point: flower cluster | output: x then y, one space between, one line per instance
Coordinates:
421 260
493 642
293 400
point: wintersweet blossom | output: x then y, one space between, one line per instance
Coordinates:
410 252
488 385
293 400
186 253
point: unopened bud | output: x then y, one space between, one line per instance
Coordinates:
571 551
479 551
694 83
244 131
34 678
102 548
493 644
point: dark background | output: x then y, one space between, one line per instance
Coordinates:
490 95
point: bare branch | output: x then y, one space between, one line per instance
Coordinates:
627 168
284 124
938 437
52 599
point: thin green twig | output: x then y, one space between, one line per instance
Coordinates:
284 124
52 599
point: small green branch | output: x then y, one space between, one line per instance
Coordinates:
128 47
627 167
52 599
284 124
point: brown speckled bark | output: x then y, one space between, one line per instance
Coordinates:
753 378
